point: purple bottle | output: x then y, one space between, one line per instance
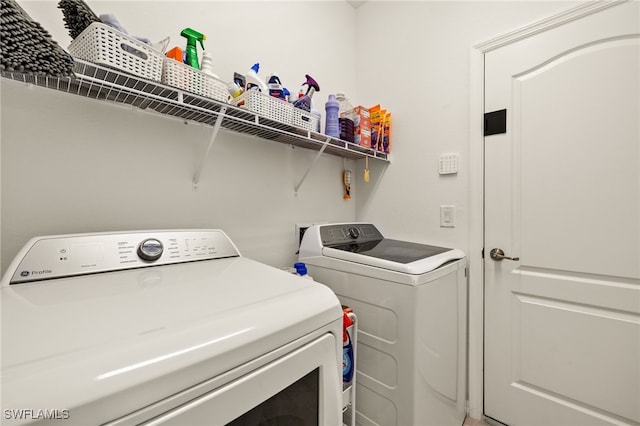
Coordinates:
332 126
304 103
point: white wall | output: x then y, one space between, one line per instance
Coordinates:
414 59
71 164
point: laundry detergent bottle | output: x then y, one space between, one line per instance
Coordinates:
253 81
301 270
332 125
347 350
207 64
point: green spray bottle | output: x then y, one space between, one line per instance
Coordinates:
192 37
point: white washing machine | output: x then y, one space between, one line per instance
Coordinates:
411 304
164 327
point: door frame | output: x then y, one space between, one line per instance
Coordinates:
476 184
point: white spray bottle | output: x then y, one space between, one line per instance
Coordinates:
253 82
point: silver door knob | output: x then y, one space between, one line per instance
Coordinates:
498 254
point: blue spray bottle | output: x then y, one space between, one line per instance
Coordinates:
304 103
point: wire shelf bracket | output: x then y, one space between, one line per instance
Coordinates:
214 133
313 163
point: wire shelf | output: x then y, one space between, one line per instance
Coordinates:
108 84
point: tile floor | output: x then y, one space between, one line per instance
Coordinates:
474 422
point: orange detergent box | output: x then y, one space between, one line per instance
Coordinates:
362 126
377 126
386 138
380 129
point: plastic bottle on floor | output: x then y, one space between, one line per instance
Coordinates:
301 270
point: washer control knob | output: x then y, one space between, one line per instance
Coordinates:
354 233
150 249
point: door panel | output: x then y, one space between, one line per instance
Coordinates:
560 361
574 179
562 193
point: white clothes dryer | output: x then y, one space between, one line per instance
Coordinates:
164 327
411 304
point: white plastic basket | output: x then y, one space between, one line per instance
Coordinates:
267 106
276 109
101 44
186 77
304 120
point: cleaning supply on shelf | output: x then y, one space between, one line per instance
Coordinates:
332 125
304 103
378 128
347 347
207 64
346 181
253 82
377 125
362 126
386 136
234 89
176 53
380 147
193 37
275 87
345 118
239 80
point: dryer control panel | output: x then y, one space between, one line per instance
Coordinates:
69 255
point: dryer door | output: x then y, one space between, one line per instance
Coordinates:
301 387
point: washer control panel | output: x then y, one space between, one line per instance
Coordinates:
68 255
349 232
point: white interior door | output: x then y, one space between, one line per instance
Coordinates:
562 193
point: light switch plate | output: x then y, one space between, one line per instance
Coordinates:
448 164
447 216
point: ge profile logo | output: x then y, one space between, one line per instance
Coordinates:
24 273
